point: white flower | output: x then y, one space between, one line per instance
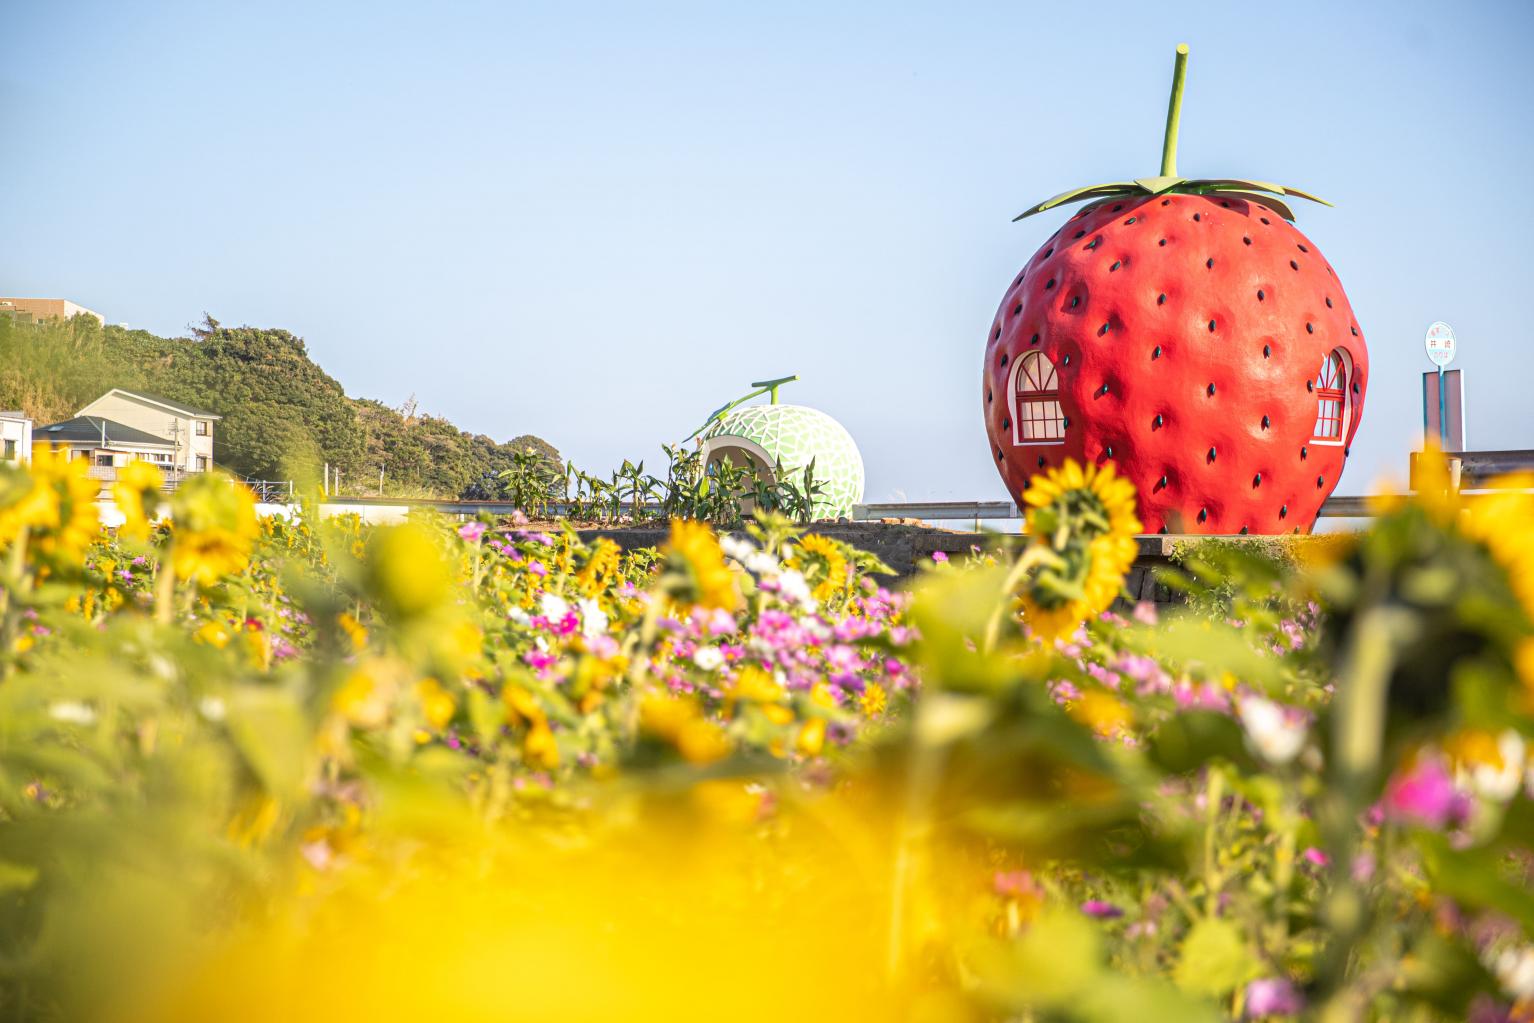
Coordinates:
709 658
761 563
1277 736
1515 971
593 619
735 547
553 607
794 588
72 712
211 707
1493 782
519 616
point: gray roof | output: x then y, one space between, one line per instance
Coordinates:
88 430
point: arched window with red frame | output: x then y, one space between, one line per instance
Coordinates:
1038 418
1332 398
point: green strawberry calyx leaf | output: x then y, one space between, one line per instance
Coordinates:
1168 181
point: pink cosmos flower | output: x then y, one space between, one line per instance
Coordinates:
939 556
1425 796
1315 857
1101 910
472 531
1273 996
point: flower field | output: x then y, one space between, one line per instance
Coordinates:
304 769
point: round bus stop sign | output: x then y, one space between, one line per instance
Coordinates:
1440 344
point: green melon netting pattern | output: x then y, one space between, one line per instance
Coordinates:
794 434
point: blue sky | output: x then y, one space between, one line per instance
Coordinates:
597 222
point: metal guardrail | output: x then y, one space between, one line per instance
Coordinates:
939 511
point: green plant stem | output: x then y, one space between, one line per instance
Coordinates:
1027 562
17 583
1174 113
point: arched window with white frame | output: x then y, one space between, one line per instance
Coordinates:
1332 404
1037 417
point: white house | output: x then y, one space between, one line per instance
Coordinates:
15 437
107 445
186 429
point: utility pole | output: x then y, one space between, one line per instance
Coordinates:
327 479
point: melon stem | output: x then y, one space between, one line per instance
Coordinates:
1174 113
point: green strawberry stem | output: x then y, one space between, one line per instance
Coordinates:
1174 113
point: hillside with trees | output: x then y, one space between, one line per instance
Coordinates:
284 416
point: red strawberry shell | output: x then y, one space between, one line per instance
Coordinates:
1188 336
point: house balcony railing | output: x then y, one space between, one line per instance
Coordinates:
173 477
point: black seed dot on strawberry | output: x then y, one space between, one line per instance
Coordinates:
1328 301
1003 358
1260 296
1115 266
1041 461
1301 248
1075 301
1225 204
1283 512
1310 385
1293 265
1092 244
997 334
1118 207
998 454
1346 452
1034 340
1048 253
1065 422
1050 284
1161 483
1065 360
1354 330
1006 423
1257 480
1161 300
1102 330
1209 263
1161 242
1264 219
1108 450
1162 530
987 397
1320 481
1131 220
1310 328
1266 422
1304 454
1081 234
1296 530
1103 389
1355 387
1211 326
1211 454
1197 216
1203 514
1156 352
1267 351
1243 530
1017 309
1211 390
1156 423
1246 241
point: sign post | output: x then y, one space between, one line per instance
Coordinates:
1440 345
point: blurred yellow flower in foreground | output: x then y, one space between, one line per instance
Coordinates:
215 528
53 501
697 565
137 495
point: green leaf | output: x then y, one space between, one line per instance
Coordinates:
1306 195
16 877
1159 184
1281 208
1114 999
269 729
1078 194
1189 740
1215 959
1058 958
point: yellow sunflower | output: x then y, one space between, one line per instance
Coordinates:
55 502
696 568
215 528
822 562
137 495
1082 520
